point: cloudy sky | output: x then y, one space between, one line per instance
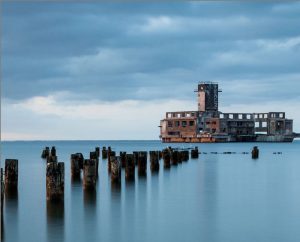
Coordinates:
111 71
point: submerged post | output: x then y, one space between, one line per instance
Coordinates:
55 180
130 168
142 163
154 161
123 159
195 153
115 169
76 164
89 174
255 152
110 155
104 153
11 174
45 153
167 158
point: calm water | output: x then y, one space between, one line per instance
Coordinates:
215 198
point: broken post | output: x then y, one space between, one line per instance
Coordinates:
11 174
135 157
104 153
195 153
174 157
255 152
76 164
142 163
123 159
94 156
154 161
97 150
115 169
89 174
166 158
184 155
110 155
55 180
45 153
130 168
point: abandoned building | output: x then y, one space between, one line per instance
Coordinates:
208 124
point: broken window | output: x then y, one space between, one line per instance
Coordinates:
183 124
191 123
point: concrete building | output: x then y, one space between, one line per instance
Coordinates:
208 124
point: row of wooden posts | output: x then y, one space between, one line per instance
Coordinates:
55 171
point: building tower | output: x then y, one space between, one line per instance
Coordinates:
208 93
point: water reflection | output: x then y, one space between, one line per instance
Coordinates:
90 214
55 221
11 214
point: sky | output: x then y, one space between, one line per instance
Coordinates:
111 71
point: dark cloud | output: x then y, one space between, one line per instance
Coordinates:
150 51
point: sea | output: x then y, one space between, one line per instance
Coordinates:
215 198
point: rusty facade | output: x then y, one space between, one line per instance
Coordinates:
208 124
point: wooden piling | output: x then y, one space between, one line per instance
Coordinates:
104 153
45 153
115 169
53 151
94 156
167 158
55 180
110 155
76 164
154 161
195 153
2 196
89 174
174 157
135 157
11 173
130 168
184 155
97 150
255 152
123 159
142 163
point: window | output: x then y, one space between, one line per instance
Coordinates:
169 115
264 124
178 115
240 116
183 115
265 115
193 114
177 123
255 116
188 115
170 124
173 114
191 123
281 115
248 116
221 115
183 124
231 116
260 115
256 124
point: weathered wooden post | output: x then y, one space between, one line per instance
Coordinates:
160 155
76 164
142 163
53 151
97 150
11 174
130 168
154 161
179 156
45 153
184 155
174 157
115 169
2 196
195 153
94 156
55 180
89 174
135 157
255 152
166 158
123 159
104 153
110 155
